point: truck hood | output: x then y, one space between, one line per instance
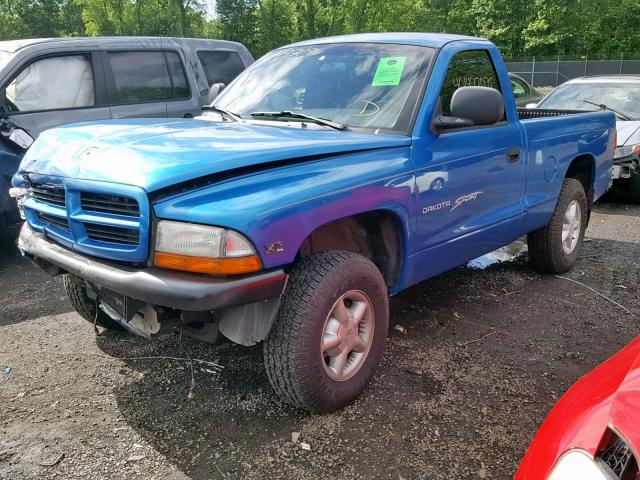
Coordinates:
628 132
154 154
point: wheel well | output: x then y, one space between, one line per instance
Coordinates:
582 169
374 235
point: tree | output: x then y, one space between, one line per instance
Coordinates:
238 20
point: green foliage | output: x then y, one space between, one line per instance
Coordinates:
518 27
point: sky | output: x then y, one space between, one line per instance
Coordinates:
211 8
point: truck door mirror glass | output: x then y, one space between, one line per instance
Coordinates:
214 91
480 105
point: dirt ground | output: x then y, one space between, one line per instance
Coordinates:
485 355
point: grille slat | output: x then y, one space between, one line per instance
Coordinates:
106 233
113 204
53 196
90 203
48 220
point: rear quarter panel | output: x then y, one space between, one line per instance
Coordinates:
552 144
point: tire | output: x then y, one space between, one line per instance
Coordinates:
634 186
318 289
547 253
77 294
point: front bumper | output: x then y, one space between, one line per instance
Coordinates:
183 291
625 167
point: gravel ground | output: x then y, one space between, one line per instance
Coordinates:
486 353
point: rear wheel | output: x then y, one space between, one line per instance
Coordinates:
76 292
330 331
555 247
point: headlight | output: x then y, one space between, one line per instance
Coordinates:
577 465
19 194
203 249
626 151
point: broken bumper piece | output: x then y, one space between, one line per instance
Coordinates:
182 291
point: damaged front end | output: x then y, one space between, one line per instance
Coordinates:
146 300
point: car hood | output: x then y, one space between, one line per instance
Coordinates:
608 395
628 133
154 154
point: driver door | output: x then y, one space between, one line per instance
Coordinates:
469 181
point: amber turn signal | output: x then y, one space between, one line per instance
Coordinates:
212 266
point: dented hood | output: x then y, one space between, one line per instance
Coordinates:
154 154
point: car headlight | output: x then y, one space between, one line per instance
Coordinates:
203 249
626 151
577 465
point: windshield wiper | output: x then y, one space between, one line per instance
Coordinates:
602 106
303 116
225 113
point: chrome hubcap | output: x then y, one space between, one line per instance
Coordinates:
347 335
571 227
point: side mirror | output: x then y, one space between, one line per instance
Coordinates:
214 91
480 105
16 135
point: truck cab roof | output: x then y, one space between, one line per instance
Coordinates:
434 40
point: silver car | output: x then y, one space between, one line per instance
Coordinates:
621 95
45 83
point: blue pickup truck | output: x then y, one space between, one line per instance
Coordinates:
329 175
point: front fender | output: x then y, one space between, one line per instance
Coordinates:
286 204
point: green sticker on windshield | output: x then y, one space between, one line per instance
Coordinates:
389 72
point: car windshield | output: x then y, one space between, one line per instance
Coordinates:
623 97
366 85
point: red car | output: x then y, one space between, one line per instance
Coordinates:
593 432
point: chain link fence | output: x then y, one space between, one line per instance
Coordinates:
551 73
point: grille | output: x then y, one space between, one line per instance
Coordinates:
620 460
51 220
47 194
113 204
106 233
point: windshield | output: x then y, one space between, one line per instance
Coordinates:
368 85
4 58
623 97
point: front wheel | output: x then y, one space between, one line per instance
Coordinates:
76 292
555 247
330 331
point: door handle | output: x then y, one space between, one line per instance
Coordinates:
513 154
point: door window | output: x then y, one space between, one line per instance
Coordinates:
180 85
140 77
220 66
519 89
41 85
470 68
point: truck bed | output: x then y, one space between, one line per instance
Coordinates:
531 113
